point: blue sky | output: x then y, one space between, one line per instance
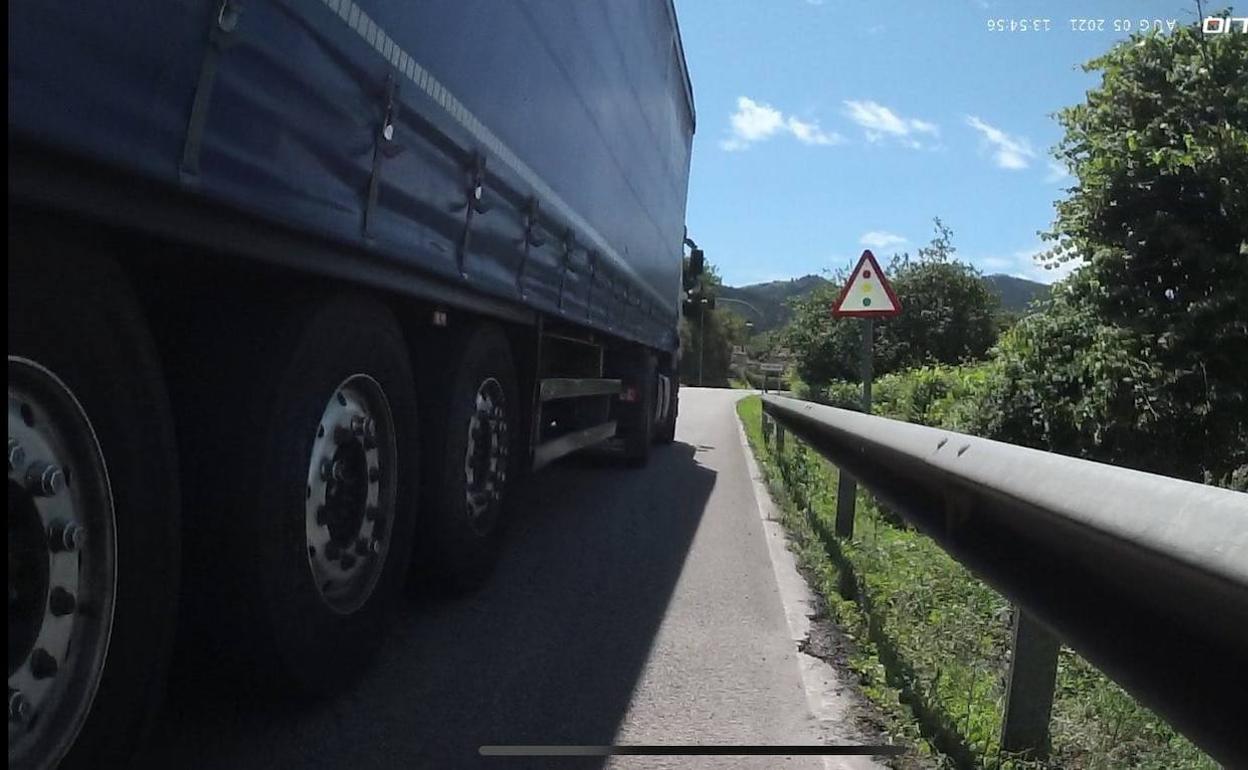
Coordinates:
829 126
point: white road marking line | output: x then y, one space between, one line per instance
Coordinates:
820 680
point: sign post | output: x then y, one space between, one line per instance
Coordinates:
866 295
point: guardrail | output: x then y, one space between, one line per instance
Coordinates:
1144 575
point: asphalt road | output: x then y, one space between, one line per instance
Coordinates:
631 606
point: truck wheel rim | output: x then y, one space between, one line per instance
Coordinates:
486 456
350 498
62 552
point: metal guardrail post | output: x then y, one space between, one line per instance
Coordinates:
1029 689
846 503
846 487
766 428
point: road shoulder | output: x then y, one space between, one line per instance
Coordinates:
843 713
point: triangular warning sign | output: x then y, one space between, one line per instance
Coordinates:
867 293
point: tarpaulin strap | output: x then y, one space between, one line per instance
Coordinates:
220 36
569 246
593 278
535 426
474 205
385 135
532 222
612 294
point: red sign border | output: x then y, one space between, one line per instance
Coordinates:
867 256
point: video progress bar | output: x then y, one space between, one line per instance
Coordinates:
826 750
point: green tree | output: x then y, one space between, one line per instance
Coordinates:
1064 381
1142 357
949 315
762 346
824 347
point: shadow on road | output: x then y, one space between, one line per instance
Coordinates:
548 652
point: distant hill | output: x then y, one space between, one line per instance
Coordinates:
773 311
1016 293
770 300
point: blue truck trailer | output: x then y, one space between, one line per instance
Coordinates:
297 290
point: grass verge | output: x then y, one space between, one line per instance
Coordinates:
931 642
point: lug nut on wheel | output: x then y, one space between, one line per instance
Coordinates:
66 536
17 455
45 479
19 707
332 470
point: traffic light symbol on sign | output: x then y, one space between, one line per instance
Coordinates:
867 293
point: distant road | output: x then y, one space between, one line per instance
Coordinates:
631 606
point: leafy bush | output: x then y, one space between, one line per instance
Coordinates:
1236 479
838 393
932 395
941 396
1066 381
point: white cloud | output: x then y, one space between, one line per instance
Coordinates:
811 133
879 122
1057 172
1025 263
756 122
880 239
752 122
1009 152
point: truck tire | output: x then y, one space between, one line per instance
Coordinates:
636 419
666 432
93 511
470 459
309 467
